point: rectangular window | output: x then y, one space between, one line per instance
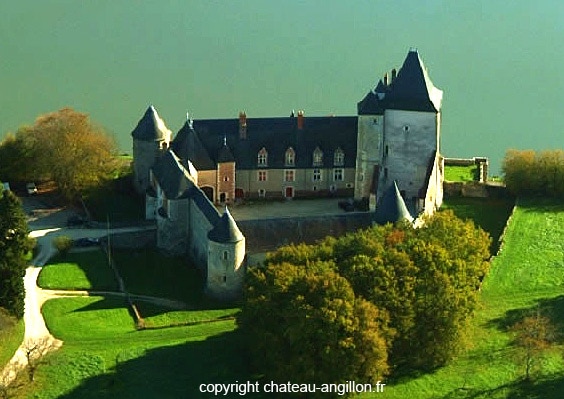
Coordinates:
317 175
338 174
262 175
289 175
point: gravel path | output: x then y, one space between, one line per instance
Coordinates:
36 333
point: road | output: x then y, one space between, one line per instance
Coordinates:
45 224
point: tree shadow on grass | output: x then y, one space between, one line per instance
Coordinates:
552 308
172 372
537 204
546 388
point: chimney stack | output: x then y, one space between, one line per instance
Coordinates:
300 120
242 125
386 79
394 74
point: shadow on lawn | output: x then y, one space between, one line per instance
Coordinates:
541 204
552 308
546 388
172 371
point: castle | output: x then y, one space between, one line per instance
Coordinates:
387 155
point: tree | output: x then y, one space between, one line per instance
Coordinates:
65 146
534 336
305 324
15 244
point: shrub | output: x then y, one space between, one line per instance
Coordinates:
63 244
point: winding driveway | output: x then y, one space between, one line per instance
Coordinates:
44 229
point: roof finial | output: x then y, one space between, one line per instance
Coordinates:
189 120
224 139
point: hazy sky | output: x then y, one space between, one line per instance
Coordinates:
499 62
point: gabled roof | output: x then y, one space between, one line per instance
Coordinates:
151 127
187 146
226 230
276 135
411 90
172 176
391 208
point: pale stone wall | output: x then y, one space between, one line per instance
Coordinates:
410 143
144 155
226 270
198 226
368 152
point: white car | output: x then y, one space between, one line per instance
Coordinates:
31 188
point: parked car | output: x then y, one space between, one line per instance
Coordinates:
31 189
347 205
86 242
75 221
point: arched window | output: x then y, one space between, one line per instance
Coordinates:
317 157
290 157
339 157
262 159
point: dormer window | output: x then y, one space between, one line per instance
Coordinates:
262 159
290 157
317 157
339 157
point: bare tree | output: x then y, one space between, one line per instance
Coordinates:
34 350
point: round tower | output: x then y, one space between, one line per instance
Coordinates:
151 138
226 255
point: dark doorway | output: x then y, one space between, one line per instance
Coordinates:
209 192
289 193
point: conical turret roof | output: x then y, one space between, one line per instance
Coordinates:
391 208
151 127
226 230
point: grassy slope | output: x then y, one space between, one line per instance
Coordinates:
78 271
103 356
461 173
11 336
527 274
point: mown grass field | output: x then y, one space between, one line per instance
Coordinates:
461 173
78 271
526 276
104 356
11 336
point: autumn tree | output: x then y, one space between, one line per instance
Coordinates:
534 336
15 244
534 173
305 324
65 146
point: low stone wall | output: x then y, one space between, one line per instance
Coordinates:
474 190
268 234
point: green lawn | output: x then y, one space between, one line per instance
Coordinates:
526 275
78 271
103 356
11 336
489 213
157 317
461 173
149 272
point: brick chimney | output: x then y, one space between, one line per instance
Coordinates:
300 120
242 125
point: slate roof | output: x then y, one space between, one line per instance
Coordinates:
226 230
187 146
276 135
150 127
171 174
411 90
391 208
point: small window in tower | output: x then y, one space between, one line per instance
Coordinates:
406 128
386 150
224 278
226 178
225 255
